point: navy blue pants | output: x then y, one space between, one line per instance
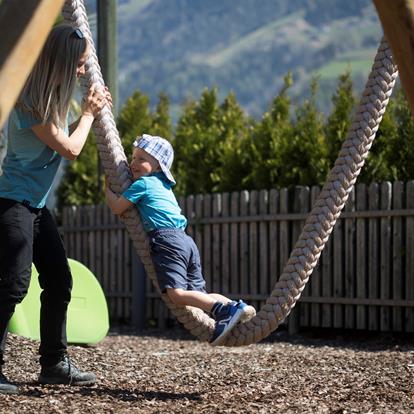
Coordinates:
176 260
30 235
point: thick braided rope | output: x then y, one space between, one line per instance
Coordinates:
320 221
117 170
328 206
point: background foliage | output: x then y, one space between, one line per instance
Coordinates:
219 148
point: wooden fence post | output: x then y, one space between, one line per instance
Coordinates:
397 255
139 278
385 259
361 256
301 205
409 264
373 259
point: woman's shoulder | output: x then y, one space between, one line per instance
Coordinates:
23 119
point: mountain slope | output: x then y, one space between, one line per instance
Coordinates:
245 46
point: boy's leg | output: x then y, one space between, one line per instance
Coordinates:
194 298
220 298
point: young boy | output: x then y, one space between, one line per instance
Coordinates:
174 253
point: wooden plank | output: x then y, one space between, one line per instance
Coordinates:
207 243
324 300
409 304
25 25
198 229
409 264
225 246
152 298
78 240
338 273
253 277
349 252
189 213
216 246
361 256
234 246
65 223
84 237
263 247
327 282
120 275
274 243
397 18
397 256
301 201
285 246
112 259
258 218
373 257
244 245
128 282
385 252
71 236
285 236
98 251
106 252
92 237
314 311
112 264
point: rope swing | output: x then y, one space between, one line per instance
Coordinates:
318 225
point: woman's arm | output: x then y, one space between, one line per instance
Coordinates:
74 125
118 205
70 146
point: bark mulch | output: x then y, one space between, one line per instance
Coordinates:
171 373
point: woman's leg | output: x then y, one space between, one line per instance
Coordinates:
16 240
55 279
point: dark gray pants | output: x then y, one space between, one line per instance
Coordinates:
30 235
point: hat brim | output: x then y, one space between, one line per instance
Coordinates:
167 173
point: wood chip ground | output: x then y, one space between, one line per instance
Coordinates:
171 373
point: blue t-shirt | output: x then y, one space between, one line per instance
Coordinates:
30 165
156 203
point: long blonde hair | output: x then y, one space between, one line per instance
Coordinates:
49 87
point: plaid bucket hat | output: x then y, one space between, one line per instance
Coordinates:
160 149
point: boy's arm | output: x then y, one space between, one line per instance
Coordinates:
118 204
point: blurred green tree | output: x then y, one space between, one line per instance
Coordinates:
339 120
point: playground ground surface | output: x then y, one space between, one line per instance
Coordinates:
169 372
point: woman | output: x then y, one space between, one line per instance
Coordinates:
38 138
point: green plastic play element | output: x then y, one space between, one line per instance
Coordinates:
87 321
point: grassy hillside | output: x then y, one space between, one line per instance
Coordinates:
246 46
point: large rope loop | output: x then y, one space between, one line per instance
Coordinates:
318 225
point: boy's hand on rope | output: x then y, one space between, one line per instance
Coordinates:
118 204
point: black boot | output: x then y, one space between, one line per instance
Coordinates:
5 386
65 372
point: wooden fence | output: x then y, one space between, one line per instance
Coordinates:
364 280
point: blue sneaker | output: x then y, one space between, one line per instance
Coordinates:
226 319
248 311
